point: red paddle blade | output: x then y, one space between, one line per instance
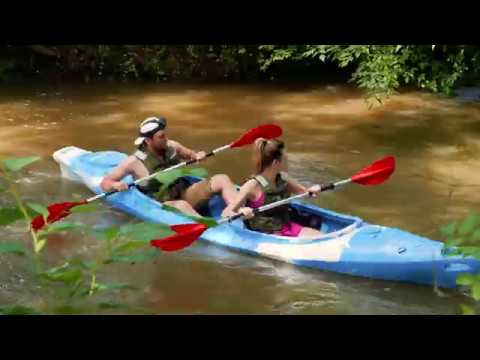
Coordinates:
185 235
376 173
267 131
55 212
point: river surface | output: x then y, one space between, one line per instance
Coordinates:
330 133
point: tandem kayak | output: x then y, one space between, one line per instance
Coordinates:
349 244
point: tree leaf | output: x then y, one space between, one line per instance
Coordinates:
10 215
38 208
18 163
469 224
465 279
448 230
83 208
12 247
467 309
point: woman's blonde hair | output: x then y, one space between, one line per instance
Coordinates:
268 152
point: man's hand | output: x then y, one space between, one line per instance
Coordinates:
119 186
314 190
200 155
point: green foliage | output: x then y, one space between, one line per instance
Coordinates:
379 69
136 257
64 273
17 310
208 221
38 208
462 238
10 215
168 177
19 163
84 208
13 247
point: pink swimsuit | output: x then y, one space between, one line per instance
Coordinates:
291 229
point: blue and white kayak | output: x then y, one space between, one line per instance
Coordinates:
349 244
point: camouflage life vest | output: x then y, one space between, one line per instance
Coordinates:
271 220
154 162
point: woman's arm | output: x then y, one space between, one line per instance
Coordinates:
246 192
297 188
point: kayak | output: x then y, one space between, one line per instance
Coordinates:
348 244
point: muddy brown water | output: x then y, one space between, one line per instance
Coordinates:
330 134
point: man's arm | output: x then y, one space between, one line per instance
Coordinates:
112 180
186 153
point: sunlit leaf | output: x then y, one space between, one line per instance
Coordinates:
467 309
38 208
207 221
469 224
116 286
83 208
18 163
465 279
10 215
476 290
168 177
14 247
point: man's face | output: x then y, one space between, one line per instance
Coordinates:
158 141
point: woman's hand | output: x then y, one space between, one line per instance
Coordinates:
245 211
314 190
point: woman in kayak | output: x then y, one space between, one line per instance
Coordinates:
156 152
271 183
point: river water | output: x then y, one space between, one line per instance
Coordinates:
330 133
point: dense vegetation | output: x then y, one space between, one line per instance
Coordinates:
379 69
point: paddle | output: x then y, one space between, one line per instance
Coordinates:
374 174
60 210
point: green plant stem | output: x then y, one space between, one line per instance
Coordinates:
13 190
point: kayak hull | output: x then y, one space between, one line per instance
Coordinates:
350 246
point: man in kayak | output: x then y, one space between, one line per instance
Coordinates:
156 152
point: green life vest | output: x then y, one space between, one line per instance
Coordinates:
154 162
271 220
